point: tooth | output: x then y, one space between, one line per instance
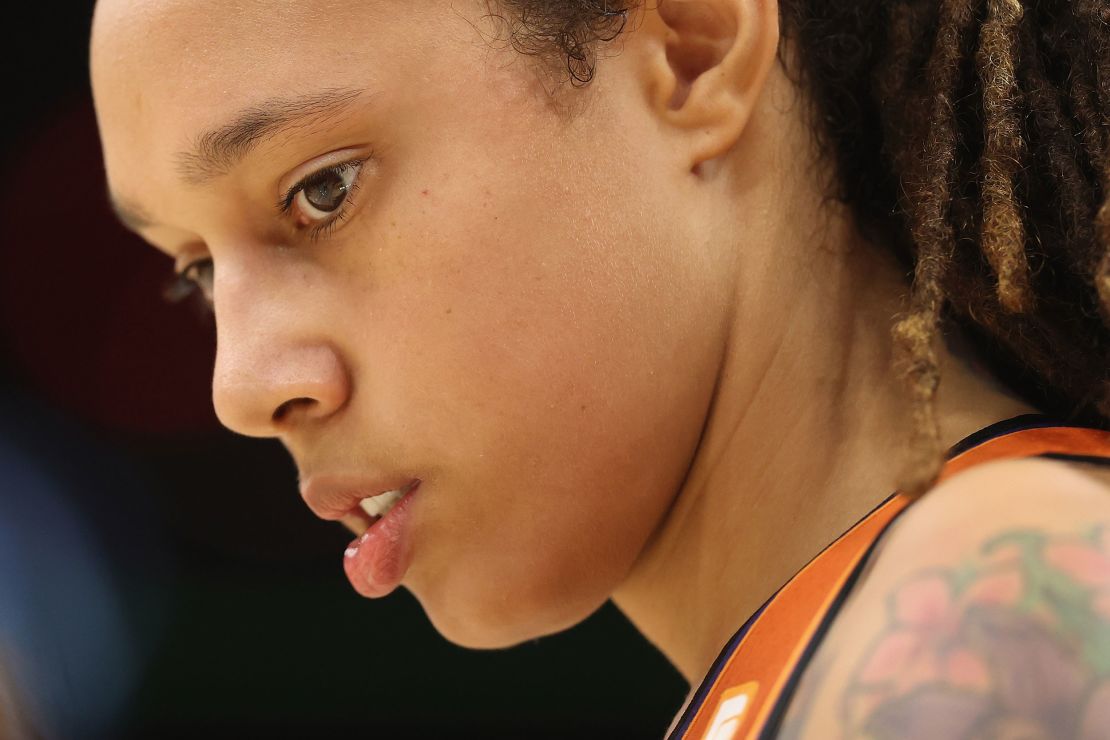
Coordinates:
380 504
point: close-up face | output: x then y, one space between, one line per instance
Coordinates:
424 267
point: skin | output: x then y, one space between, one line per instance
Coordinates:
1004 632
615 331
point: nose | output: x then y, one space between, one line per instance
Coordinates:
275 368
262 391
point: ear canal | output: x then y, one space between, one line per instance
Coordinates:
698 39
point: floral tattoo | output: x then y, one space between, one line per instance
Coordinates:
1013 643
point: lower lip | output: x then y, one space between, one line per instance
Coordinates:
376 562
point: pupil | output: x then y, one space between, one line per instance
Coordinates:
328 193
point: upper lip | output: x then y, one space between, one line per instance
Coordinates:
334 496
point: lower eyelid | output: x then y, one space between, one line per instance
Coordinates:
322 229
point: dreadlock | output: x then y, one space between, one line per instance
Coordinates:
973 138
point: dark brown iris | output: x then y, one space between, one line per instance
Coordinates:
327 191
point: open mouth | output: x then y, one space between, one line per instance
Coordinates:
379 505
357 501
376 561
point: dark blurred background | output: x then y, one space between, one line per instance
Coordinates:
159 576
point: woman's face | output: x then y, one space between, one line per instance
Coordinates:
515 303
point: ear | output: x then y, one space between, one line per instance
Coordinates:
707 61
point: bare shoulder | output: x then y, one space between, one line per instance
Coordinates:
992 496
984 613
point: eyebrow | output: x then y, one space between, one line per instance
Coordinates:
216 151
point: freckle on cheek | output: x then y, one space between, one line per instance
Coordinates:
423 192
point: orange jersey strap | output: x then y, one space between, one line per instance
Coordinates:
745 693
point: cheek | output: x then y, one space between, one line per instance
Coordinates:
560 391
547 363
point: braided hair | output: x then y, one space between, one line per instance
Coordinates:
971 137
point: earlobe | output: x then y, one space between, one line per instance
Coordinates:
711 60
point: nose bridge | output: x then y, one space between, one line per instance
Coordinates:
271 357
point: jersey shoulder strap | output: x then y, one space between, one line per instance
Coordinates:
746 691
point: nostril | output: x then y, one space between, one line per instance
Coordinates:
284 409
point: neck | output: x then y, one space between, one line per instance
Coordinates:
803 437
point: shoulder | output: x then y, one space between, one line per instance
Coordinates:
986 606
994 496
1023 481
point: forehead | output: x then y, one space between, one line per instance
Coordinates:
209 54
205 44
164 70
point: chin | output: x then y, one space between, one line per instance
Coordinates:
501 621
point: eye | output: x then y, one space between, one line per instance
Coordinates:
196 276
320 197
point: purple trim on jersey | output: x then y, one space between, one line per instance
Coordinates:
1002 428
715 670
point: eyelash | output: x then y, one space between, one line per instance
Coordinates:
180 286
285 203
